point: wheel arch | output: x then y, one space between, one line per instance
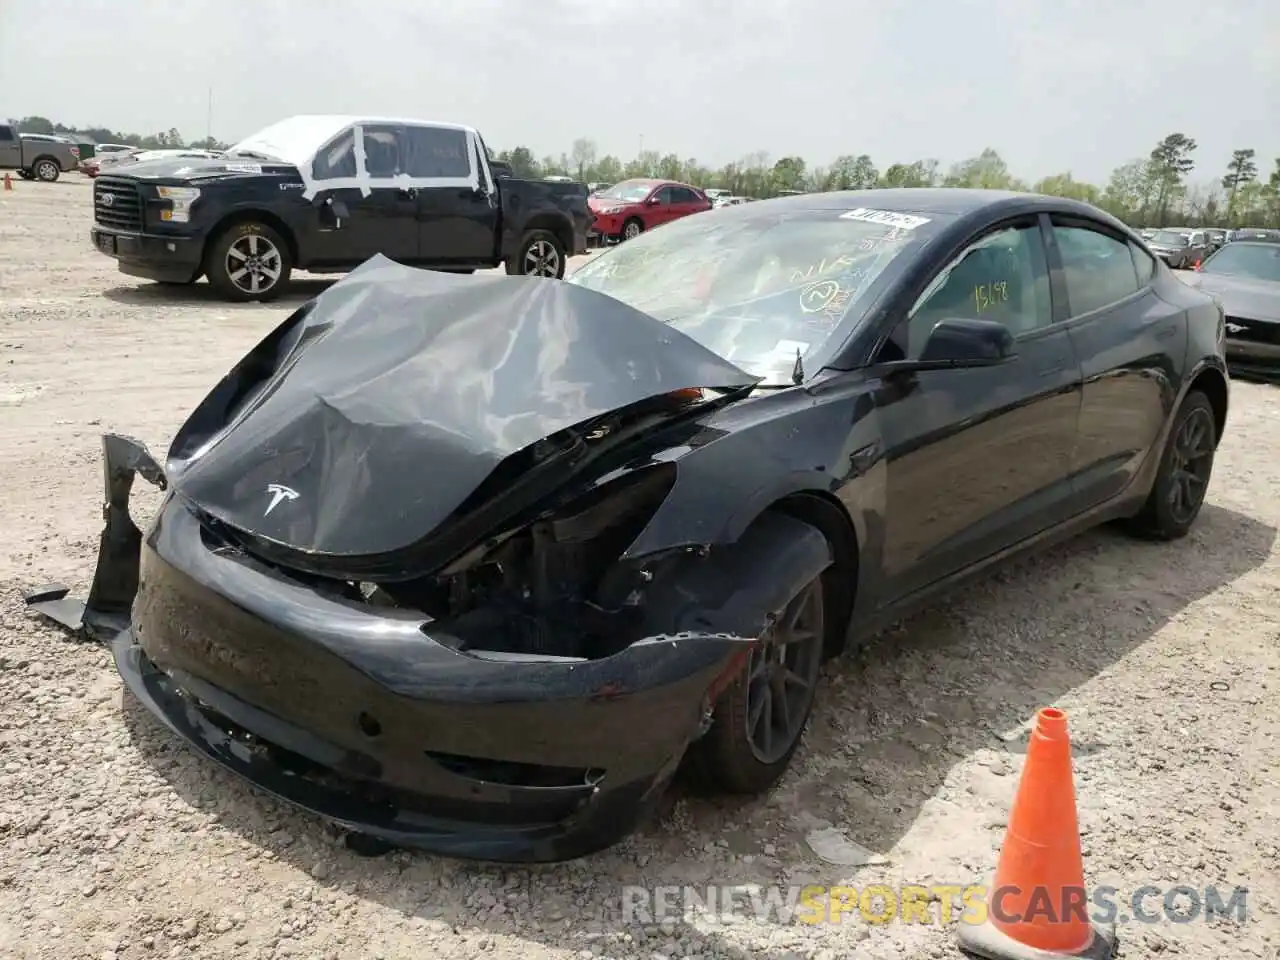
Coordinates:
828 516
1212 382
250 215
554 224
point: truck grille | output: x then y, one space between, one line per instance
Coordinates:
116 204
1254 330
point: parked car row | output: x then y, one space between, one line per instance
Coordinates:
122 155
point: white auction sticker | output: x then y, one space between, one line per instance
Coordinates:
886 218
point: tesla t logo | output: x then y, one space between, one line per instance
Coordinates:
1234 328
108 199
278 493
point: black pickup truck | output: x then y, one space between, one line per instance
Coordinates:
326 193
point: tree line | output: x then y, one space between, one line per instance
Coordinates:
1155 190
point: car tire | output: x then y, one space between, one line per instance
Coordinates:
242 243
539 254
631 229
1182 479
46 170
730 757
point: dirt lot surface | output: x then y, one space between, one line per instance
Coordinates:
117 842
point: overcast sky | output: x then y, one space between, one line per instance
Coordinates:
1053 85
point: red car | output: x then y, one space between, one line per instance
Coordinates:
629 208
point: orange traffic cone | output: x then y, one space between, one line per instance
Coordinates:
8 182
1037 905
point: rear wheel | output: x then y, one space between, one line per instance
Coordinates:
760 718
1183 476
46 170
540 254
249 262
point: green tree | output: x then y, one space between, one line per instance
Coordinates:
1170 161
583 154
1241 170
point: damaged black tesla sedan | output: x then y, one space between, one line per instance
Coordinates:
475 563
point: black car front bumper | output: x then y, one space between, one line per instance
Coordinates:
1253 348
169 259
373 719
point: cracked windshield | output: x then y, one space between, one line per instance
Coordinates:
760 290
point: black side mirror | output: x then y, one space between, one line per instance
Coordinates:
653 201
959 342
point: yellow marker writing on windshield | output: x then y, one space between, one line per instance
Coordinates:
819 268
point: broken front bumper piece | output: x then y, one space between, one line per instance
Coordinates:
369 717
115 580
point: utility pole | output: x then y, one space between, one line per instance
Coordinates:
208 117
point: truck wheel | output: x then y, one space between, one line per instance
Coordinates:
540 254
249 262
760 717
46 170
632 229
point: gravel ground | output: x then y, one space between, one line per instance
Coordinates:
116 842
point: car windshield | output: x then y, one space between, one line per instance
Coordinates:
761 286
629 192
1170 238
1256 261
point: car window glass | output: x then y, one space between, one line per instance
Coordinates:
1143 264
664 195
1098 269
436 152
683 195
1002 277
337 159
6 134
383 157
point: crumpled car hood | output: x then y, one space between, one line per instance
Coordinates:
381 405
1240 297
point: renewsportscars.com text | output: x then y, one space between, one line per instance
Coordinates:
933 904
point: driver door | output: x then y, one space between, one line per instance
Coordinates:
658 208
978 459
352 226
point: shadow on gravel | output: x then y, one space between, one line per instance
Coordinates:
892 720
156 294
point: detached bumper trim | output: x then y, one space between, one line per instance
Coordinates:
602 818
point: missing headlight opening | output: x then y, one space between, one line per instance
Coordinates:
550 588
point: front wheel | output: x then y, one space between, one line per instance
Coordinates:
540 254
632 229
759 719
249 262
1183 476
46 170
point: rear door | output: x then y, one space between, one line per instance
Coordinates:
457 223
1131 345
979 459
685 201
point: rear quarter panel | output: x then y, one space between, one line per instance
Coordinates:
528 204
